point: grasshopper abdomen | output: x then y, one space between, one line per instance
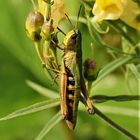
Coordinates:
67 89
70 97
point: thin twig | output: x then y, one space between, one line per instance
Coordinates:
115 125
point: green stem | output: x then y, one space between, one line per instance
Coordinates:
89 85
39 52
115 125
48 9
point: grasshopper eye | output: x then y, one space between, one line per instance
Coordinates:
73 39
74 36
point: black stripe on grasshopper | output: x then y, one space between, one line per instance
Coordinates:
70 99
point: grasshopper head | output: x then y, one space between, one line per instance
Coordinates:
70 39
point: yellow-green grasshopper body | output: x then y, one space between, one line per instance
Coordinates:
73 81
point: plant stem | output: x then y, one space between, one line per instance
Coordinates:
89 85
39 52
48 9
115 125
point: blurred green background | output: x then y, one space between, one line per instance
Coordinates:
18 63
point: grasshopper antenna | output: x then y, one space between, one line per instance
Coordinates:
69 19
61 31
34 5
76 26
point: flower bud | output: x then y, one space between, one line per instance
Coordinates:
47 29
90 70
33 25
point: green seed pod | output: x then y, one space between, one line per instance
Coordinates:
47 29
90 70
33 25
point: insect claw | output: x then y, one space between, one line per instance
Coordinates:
65 117
91 111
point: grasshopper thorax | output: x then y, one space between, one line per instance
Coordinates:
70 39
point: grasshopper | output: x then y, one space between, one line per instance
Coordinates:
71 78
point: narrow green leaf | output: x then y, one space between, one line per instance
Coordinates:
42 90
55 120
97 26
119 111
119 98
134 70
32 108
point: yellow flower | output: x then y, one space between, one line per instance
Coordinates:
130 15
57 10
126 10
108 9
42 7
